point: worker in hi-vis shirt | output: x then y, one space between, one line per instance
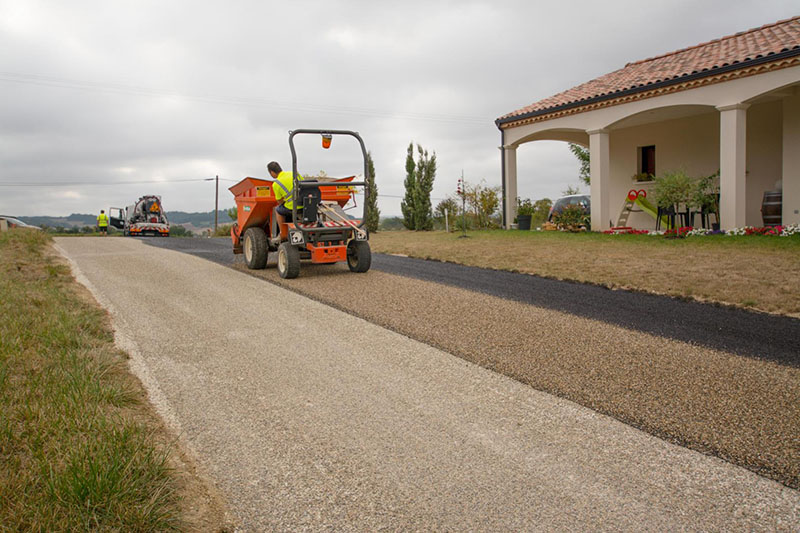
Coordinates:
282 187
102 222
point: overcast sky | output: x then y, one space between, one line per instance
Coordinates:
103 101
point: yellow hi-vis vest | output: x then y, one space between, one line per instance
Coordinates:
286 179
102 220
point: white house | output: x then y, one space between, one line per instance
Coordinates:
732 104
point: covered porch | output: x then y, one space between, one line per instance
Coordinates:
743 122
754 143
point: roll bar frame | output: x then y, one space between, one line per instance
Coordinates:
297 184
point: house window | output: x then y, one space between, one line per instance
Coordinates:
647 160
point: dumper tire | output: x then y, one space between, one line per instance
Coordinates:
255 248
359 256
288 261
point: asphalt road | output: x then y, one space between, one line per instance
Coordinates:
308 418
738 331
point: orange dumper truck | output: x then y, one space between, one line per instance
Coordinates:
320 230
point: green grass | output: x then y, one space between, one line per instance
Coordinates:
78 449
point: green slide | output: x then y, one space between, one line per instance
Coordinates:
651 210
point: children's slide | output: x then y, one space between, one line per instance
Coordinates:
640 199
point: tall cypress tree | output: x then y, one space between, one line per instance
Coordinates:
426 174
373 213
407 206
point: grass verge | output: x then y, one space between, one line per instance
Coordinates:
757 272
79 448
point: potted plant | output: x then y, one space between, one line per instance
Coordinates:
671 191
643 176
705 197
525 212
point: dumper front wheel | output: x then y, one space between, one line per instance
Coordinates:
255 248
288 261
359 256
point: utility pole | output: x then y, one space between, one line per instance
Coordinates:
462 191
216 204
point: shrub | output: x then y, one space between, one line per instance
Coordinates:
223 230
572 218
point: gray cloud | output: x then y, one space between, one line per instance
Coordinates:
113 92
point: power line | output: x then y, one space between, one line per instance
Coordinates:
100 183
148 182
381 195
118 88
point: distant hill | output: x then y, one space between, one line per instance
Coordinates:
193 221
75 220
198 220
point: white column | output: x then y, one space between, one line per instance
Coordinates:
510 161
732 164
600 171
791 159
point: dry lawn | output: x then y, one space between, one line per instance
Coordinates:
761 273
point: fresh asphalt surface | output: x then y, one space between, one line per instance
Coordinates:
747 333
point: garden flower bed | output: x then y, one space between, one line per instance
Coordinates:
688 231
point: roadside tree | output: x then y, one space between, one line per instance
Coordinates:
407 205
483 202
541 208
420 175
453 207
426 174
373 213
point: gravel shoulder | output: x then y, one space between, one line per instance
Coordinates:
744 410
359 428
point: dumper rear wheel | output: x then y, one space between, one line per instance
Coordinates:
255 248
288 261
359 256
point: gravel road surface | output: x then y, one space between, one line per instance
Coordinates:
745 410
739 331
308 418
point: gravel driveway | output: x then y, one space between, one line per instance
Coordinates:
308 418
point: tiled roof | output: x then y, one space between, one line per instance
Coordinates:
731 52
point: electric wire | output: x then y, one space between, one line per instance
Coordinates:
102 183
118 88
